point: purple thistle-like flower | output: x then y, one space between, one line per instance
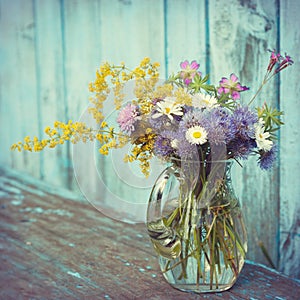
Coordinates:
127 118
163 147
267 158
231 86
240 148
192 117
159 123
219 126
188 71
184 148
243 120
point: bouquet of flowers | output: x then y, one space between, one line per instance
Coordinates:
174 119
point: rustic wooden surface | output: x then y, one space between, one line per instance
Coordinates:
55 245
49 51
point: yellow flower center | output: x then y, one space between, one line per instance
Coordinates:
168 110
197 134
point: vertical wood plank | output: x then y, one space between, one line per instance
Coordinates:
18 106
81 53
131 30
185 33
50 85
290 147
240 34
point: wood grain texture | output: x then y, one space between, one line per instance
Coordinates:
55 245
49 51
289 146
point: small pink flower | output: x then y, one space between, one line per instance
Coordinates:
277 58
127 118
231 86
189 70
285 62
274 58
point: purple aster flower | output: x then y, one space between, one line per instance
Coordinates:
240 148
127 118
243 119
184 148
163 147
219 126
231 86
189 71
267 158
192 118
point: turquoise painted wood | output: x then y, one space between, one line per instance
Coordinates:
49 52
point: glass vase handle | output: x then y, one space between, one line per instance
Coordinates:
162 202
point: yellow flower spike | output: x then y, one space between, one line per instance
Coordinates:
47 130
52 144
103 150
56 124
103 124
145 62
27 139
156 65
44 143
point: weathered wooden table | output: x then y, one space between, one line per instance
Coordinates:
55 245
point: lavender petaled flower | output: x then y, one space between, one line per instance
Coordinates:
127 118
184 149
243 119
159 123
231 86
219 126
193 117
267 158
163 147
240 148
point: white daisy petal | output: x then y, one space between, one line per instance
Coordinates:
196 135
204 101
168 107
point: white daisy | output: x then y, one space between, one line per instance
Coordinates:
196 135
168 107
261 137
204 101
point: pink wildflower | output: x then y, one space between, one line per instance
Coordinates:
127 118
189 70
277 58
274 58
231 86
285 62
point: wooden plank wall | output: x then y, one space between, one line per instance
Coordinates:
49 51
